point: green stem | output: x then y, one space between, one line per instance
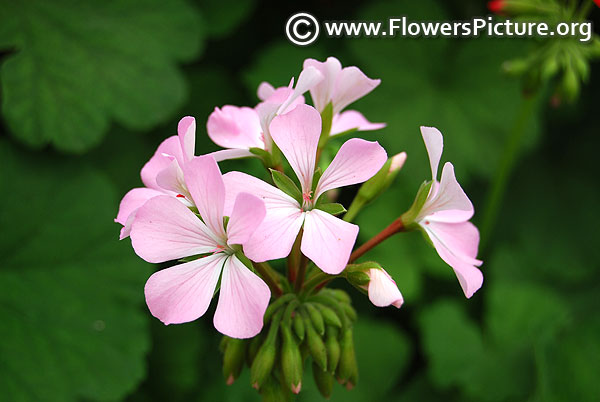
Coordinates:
301 273
316 280
294 258
354 208
267 274
505 168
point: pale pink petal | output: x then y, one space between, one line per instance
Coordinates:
383 290
182 293
276 234
356 161
434 142
264 91
397 161
186 130
351 84
248 213
450 203
328 241
322 93
308 78
456 244
238 182
205 184
350 120
164 229
226 154
171 179
243 300
168 150
296 133
130 203
235 127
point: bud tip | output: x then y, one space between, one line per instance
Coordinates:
296 388
230 379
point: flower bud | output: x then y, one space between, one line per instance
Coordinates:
347 368
316 346
315 317
298 324
291 360
333 348
233 359
329 316
570 84
265 357
519 7
323 379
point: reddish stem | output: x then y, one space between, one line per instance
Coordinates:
393 228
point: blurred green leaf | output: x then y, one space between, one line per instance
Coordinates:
222 17
71 294
79 65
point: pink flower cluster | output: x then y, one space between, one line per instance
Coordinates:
220 225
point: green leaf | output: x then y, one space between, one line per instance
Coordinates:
326 120
223 16
332 208
71 295
286 185
79 65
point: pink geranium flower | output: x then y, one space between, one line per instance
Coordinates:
341 87
382 289
162 174
445 218
326 240
164 229
242 128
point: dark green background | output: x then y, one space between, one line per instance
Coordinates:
89 89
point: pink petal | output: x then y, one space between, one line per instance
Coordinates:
328 241
186 130
248 213
296 133
243 299
205 184
182 293
130 203
351 84
164 229
322 93
382 289
235 127
238 182
265 90
351 119
162 158
275 236
456 244
356 161
449 203
227 154
171 179
309 77
434 142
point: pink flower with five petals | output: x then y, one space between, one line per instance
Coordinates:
341 87
382 289
326 240
164 229
445 218
162 174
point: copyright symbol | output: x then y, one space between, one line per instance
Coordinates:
302 29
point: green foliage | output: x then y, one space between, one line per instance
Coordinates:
69 290
78 65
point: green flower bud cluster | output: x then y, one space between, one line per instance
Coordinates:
316 328
563 62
